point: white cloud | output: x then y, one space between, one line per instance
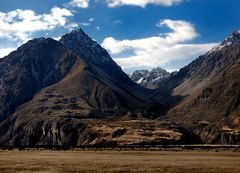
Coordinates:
56 38
161 57
182 31
88 23
19 24
158 50
72 26
79 3
5 51
98 28
85 24
91 19
57 17
116 22
141 3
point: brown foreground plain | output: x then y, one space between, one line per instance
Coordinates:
119 161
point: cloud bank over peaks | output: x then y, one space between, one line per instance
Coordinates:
157 50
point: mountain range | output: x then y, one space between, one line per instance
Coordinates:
71 93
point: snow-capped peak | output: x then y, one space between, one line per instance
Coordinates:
150 79
139 75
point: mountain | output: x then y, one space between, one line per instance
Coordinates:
103 66
71 93
204 96
48 88
91 52
138 75
150 79
25 71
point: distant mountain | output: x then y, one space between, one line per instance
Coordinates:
150 79
204 96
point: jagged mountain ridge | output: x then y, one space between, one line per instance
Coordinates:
89 49
150 79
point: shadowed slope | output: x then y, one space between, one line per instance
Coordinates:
37 64
204 95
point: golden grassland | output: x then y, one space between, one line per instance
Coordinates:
119 161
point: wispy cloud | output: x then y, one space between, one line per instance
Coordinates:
78 3
117 22
88 22
85 24
91 19
141 3
98 28
157 50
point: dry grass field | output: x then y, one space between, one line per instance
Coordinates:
119 161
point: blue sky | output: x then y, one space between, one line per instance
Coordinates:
137 33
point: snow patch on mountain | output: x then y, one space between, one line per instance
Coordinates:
150 79
232 39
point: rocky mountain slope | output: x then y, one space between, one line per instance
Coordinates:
103 66
25 71
70 92
205 95
47 88
150 79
